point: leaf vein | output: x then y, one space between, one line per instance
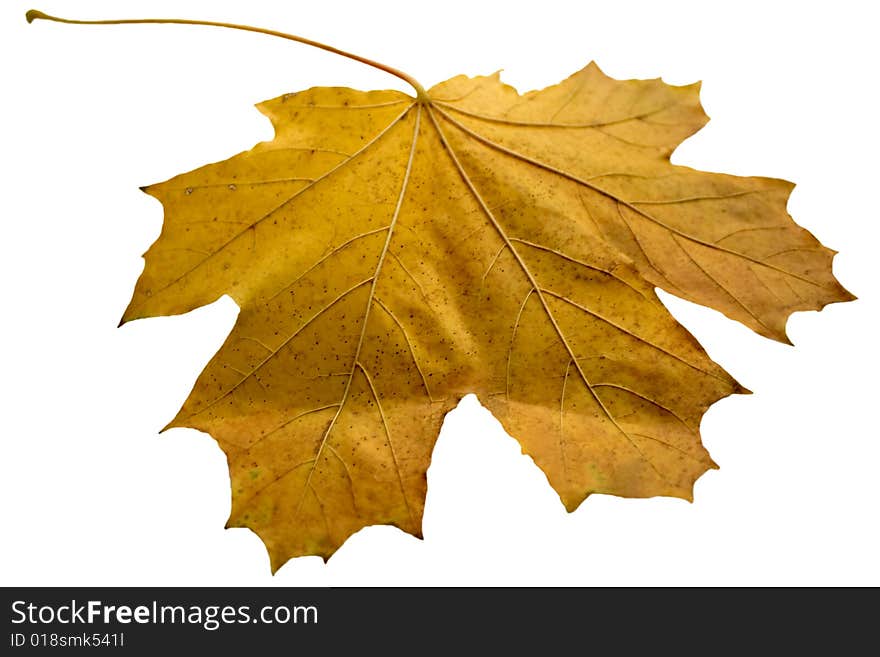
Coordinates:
611 196
537 290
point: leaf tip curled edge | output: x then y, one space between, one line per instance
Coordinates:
34 14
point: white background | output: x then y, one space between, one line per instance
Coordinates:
91 495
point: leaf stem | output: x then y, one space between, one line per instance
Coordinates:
421 94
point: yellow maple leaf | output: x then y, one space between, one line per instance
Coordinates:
392 253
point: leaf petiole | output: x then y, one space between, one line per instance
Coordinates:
421 94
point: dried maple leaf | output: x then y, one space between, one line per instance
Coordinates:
392 253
